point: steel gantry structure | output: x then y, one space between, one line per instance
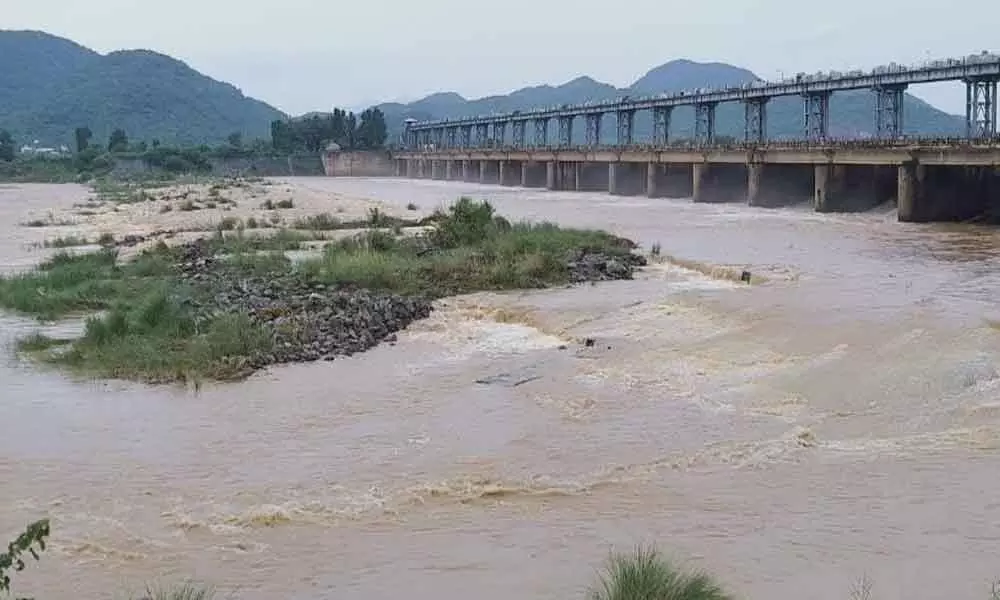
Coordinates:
979 72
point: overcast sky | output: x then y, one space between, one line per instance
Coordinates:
303 55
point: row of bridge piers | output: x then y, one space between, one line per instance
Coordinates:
922 193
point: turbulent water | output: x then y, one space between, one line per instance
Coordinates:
840 418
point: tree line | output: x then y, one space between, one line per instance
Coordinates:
313 133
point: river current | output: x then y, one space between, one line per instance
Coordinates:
840 418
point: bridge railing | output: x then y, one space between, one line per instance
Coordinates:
832 144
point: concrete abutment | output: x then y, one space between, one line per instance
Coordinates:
947 193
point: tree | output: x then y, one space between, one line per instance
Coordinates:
235 139
7 146
83 135
372 131
351 127
118 142
282 136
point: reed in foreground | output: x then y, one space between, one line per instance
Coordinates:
646 575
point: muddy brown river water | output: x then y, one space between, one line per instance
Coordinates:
841 418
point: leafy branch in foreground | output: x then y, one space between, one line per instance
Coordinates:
12 561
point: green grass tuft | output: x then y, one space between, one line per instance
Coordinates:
159 340
646 575
184 591
38 342
67 284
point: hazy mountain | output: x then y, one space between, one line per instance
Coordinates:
851 113
51 86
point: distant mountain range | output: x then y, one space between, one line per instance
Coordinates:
49 86
852 114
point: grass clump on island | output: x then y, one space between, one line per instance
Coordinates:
155 327
469 249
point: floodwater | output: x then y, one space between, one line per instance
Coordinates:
840 419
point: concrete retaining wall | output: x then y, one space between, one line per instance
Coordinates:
360 163
263 166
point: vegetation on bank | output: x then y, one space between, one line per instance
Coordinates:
154 326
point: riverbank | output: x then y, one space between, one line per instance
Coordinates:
224 307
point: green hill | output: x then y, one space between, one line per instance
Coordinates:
852 114
51 86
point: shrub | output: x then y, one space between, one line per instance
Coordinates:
320 222
66 242
228 224
466 223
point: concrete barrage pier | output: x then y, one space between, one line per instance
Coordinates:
929 182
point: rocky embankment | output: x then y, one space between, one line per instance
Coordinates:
312 321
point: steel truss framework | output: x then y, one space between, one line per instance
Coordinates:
704 123
817 115
981 108
541 133
626 125
981 121
593 133
566 131
499 133
661 125
518 133
755 113
889 111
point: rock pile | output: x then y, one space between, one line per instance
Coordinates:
309 321
585 266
